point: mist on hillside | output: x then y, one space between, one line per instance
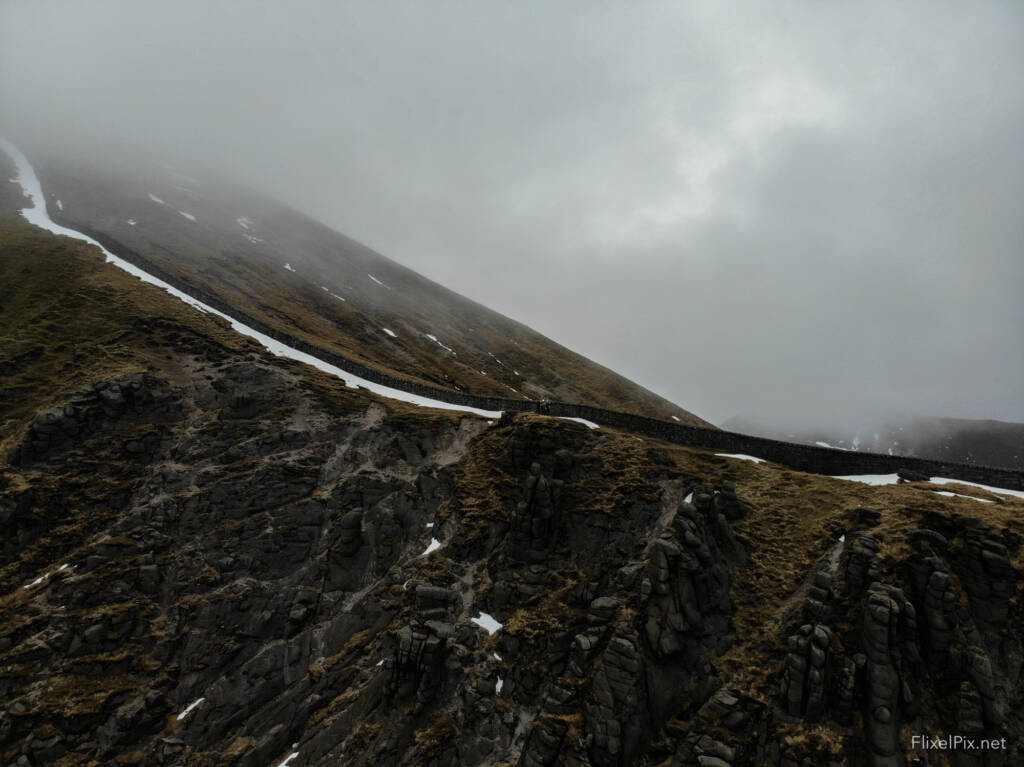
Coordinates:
806 213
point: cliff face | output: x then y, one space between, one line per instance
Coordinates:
211 556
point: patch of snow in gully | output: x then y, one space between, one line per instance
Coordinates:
432 547
487 623
191 706
434 339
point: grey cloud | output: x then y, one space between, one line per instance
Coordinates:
801 210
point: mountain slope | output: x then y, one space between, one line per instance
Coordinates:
295 274
213 556
959 440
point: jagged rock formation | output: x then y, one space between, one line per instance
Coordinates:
229 560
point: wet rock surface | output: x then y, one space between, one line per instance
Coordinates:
234 570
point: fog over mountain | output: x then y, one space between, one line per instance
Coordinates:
805 212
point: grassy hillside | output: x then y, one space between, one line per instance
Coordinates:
296 274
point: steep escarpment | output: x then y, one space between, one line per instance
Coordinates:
242 569
212 556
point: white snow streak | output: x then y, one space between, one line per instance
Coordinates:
60 205
289 267
189 216
154 198
961 495
191 706
871 479
584 421
377 281
389 332
741 457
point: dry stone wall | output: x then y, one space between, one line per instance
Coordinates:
810 458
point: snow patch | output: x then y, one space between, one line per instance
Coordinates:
377 281
871 479
36 214
497 687
432 547
389 332
189 216
156 199
688 498
289 267
948 494
130 222
741 457
188 709
60 205
38 580
676 419
487 623
584 421
434 339
243 222
253 240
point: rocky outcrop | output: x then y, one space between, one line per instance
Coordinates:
366 588
102 408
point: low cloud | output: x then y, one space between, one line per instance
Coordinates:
802 211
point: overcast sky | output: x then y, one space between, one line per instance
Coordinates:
808 211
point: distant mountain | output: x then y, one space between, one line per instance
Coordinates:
293 273
986 443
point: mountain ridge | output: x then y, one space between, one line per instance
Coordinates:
326 288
